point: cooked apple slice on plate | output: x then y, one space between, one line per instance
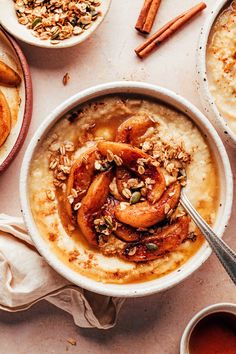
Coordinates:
5 119
8 76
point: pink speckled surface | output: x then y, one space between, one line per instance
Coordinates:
147 325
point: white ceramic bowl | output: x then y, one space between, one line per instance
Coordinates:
225 178
222 307
207 100
9 21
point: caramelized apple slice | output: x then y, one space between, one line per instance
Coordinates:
80 176
138 162
157 246
144 214
8 76
132 129
91 205
127 233
5 119
124 232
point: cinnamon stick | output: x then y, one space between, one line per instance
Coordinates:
147 16
167 30
151 16
143 15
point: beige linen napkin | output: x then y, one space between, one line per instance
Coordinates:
26 278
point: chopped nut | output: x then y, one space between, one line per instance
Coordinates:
66 79
52 237
70 199
71 227
71 341
149 181
171 194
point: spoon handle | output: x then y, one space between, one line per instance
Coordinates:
224 253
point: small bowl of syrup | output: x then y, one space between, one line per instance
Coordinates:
211 331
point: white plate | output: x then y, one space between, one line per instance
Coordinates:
225 198
19 99
207 100
9 21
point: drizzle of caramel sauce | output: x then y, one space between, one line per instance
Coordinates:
214 334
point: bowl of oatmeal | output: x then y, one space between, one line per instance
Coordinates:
216 68
52 24
100 186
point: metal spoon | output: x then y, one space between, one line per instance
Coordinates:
224 253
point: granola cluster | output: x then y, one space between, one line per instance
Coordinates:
60 162
172 157
56 20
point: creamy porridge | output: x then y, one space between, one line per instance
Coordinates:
221 64
105 183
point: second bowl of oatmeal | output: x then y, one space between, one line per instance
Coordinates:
216 68
52 24
100 185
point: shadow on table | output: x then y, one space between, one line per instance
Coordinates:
163 312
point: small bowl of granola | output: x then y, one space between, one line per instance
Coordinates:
53 23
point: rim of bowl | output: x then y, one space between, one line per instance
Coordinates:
28 103
206 97
206 311
66 43
149 287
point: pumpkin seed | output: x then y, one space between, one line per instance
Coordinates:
135 197
73 22
36 21
151 246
